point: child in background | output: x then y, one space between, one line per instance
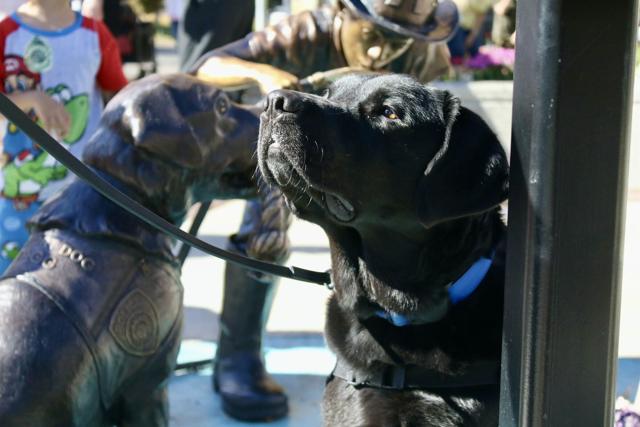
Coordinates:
503 30
55 65
470 33
174 9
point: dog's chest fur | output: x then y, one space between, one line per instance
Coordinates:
469 332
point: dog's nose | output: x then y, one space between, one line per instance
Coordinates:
284 101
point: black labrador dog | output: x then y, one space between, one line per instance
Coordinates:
91 310
407 184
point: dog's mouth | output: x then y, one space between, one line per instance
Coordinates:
286 175
339 207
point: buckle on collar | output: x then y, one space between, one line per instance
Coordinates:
395 319
398 377
392 377
352 380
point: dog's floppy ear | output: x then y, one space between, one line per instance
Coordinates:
159 123
470 172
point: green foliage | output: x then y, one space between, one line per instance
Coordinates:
163 29
146 6
493 73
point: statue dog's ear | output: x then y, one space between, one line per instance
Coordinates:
470 172
161 119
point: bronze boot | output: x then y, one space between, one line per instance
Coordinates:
247 391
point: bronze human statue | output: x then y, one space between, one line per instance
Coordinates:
402 36
91 309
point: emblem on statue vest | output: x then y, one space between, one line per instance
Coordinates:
134 324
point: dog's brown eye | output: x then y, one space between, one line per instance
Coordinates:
389 113
222 106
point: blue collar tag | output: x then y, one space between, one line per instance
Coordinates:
470 280
396 319
458 290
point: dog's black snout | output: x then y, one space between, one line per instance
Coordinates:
284 101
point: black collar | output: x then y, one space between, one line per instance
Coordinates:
414 377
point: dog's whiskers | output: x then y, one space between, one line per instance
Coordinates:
310 200
320 149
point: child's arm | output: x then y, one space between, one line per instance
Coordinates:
52 114
110 76
93 9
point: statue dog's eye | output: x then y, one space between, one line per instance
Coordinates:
222 105
389 113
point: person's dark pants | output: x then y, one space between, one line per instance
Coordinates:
457 45
174 29
208 24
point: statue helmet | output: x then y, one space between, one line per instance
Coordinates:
428 20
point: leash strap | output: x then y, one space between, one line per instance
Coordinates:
193 230
53 147
413 377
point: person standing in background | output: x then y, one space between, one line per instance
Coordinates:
119 18
208 24
56 65
469 36
503 30
174 9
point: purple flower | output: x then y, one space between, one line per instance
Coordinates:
492 56
627 418
626 414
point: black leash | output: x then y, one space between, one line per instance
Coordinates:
203 208
54 148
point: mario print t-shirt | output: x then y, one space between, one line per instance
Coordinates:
71 65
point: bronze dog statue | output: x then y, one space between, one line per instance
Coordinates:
91 310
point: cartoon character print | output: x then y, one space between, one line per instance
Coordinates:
26 167
10 250
23 169
78 108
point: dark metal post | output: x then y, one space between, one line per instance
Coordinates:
571 121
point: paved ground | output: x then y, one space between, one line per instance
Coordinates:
295 349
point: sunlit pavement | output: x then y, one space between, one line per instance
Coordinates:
295 350
294 347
